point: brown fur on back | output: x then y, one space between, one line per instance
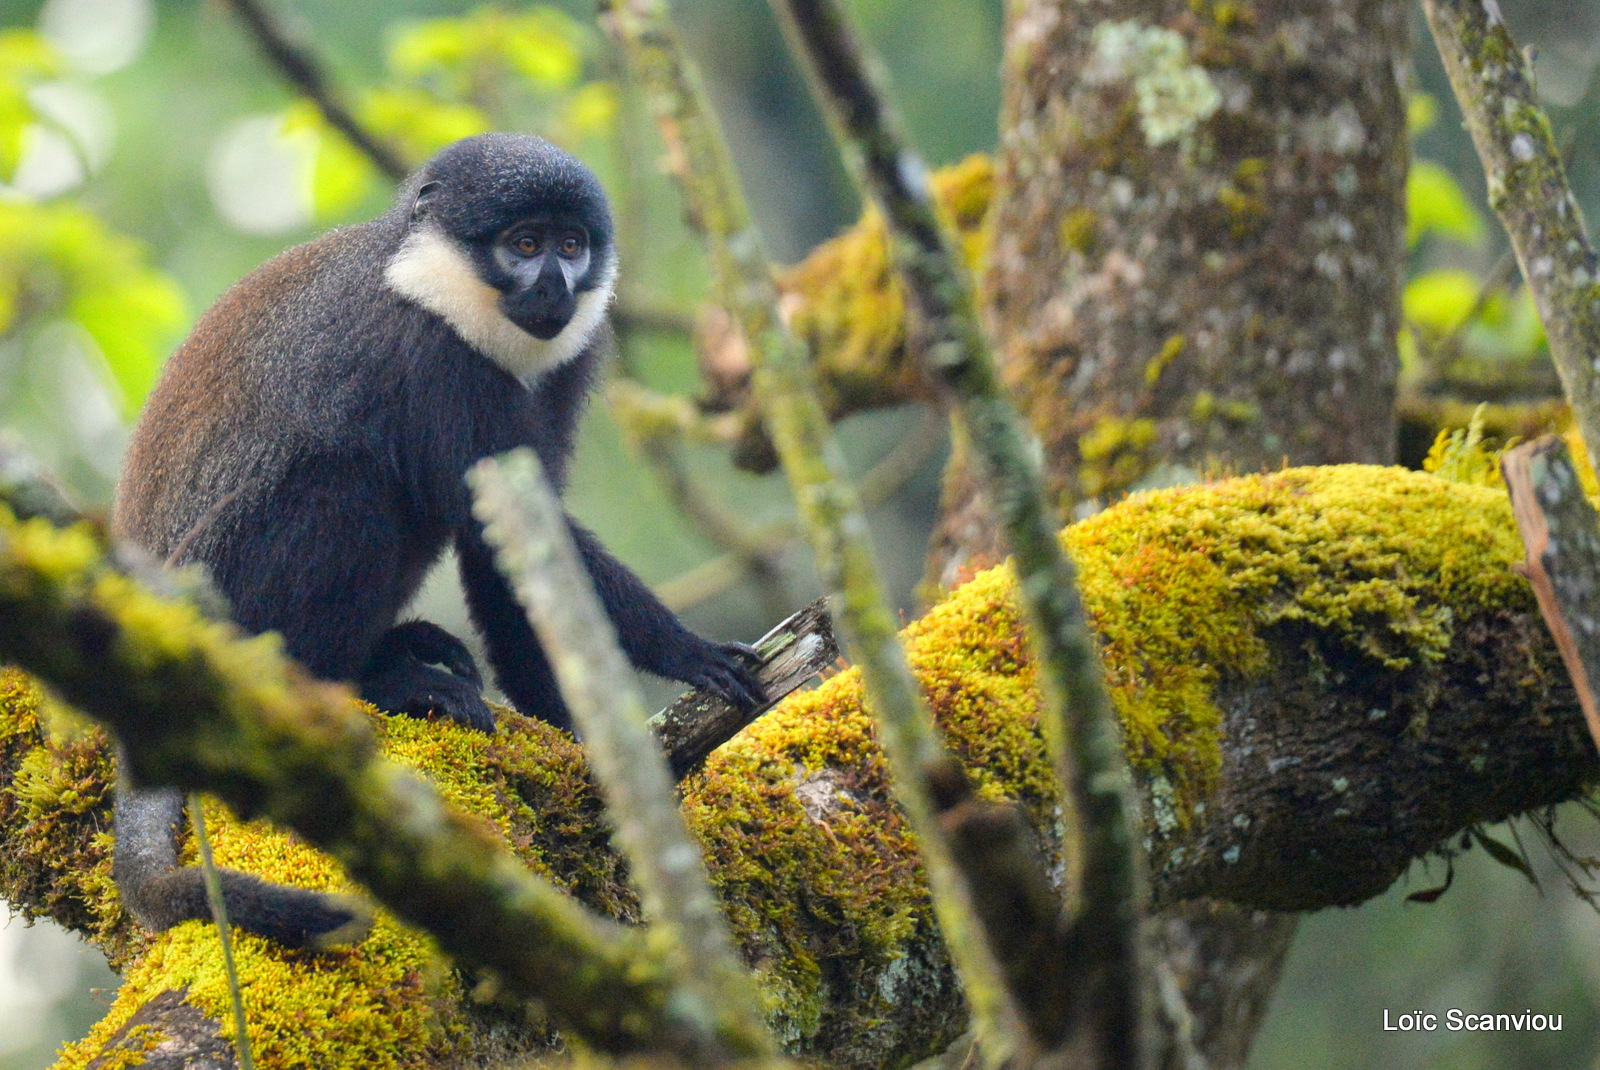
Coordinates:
188 441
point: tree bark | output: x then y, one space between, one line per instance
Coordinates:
1228 294
1184 277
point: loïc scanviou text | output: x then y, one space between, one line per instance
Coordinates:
1456 1020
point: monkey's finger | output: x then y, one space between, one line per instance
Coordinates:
746 653
734 683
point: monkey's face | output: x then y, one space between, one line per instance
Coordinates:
508 239
546 262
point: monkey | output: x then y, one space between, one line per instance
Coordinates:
308 445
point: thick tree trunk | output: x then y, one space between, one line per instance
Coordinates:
1196 263
1198 236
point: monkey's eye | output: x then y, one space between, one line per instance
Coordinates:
525 245
571 245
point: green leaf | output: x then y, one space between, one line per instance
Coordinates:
341 175
424 47
418 122
592 110
1410 355
1440 300
1431 895
1421 112
60 260
133 320
1524 330
545 46
542 45
1436 204
25 60
1503 854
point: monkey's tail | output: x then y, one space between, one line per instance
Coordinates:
161 894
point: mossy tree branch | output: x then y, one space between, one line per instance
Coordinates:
525 523
1097 957
797 650
928 781
200 707
1528 190
1315 692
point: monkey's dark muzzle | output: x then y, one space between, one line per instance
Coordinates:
543 315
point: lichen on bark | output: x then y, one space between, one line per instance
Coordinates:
1228 294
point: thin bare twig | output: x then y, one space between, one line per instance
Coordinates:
301 68
219 914
525 523
925 775
1085 995
1448 348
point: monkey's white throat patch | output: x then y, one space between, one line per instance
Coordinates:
433 271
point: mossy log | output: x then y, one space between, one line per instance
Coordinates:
1322 673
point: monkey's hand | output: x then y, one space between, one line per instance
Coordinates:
728 670
421 670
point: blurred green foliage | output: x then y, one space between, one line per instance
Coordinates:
1462 325
66 276
61 261
25 61
450 78
1437 205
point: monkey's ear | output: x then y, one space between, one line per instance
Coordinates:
419 207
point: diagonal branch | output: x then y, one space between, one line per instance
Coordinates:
1528 190
201 707
302 69
1098 976
525 523
928 781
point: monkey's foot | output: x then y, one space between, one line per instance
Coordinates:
421 670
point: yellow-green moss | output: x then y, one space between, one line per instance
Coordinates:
1470 451
391 1001
1157 364
1182 585
130 1049
1080 230
846 302
56 857
1115 454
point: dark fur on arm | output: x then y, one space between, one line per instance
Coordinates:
520 667
656 641
652 636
